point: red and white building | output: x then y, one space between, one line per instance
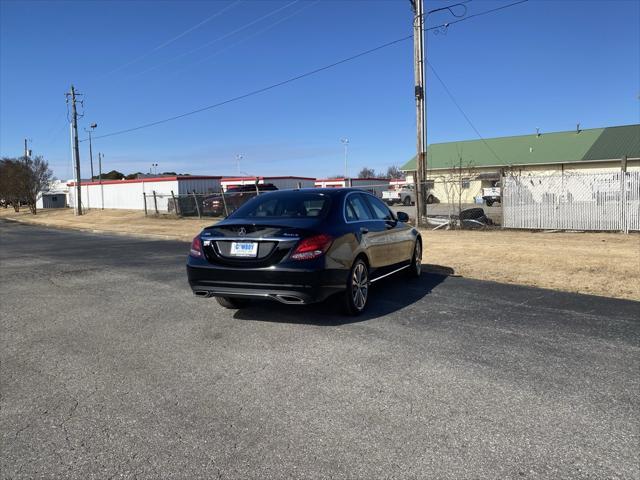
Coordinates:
281 183
397 183
372 185
129 194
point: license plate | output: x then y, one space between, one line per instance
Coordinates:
244 249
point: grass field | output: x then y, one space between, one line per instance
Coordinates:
605 264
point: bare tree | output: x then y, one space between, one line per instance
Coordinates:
367 173
394 172
12 173
37 177
459 180
21 180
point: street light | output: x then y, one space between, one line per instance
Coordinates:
345 142
239 157
91 127
154 166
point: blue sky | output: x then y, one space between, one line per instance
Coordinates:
546 64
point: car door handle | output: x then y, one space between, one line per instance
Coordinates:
364 230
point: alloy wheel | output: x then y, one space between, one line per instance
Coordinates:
360 286
417 255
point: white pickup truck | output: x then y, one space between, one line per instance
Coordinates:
404 194
491 195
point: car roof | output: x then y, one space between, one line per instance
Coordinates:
330 192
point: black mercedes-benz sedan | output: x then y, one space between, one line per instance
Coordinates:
301 246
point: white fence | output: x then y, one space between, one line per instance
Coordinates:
576 201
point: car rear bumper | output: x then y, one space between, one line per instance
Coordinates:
286 285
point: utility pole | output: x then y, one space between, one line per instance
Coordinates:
421 123
345 142
419 60
76 149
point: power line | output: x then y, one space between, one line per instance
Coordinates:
260 90
226 35
249 37
293 79
455 102
469 17
177 37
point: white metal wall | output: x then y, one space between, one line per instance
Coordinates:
575 201
125 195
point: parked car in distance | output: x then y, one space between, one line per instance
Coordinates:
234 197
491 195
301 246
405 195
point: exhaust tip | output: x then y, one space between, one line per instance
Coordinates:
202 293
289 299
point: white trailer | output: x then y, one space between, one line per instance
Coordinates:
129 194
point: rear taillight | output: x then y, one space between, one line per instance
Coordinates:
196 247
312 247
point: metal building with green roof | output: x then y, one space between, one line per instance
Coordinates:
478 164
580 148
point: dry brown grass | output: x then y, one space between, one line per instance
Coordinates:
596 263
132 222
605 264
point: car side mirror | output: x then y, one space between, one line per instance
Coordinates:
402 217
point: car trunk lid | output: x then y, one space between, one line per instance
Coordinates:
251 244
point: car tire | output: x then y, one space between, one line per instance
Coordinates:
357 292
430 199
489 203
407 201
232 303
415 268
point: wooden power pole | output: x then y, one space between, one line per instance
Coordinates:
76 149
421 128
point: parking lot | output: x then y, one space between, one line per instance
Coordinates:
112 368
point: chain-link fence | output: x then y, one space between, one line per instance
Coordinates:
573 201
467 200
212 204
446 207
569 201
186 205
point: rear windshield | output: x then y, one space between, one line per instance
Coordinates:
285 205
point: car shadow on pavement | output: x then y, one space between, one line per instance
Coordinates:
386 296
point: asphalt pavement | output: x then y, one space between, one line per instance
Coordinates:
111 368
